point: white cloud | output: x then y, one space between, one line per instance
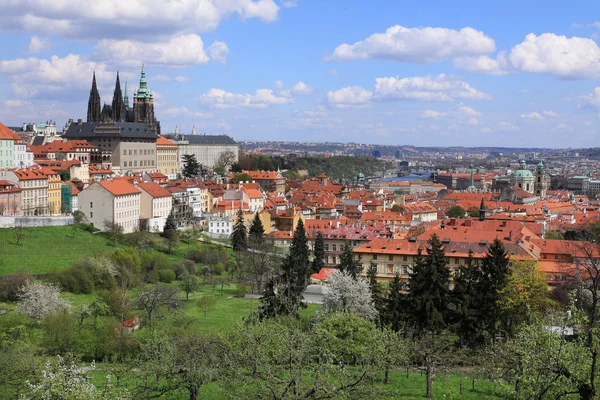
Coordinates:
506 126
426 88
263 98
299 89
180 51
352 96
469 111
181 79
562 57
550 113
38 44
593 99
218 52
432 114
473 121
532 115
132 19
175 112
16 104
160 78
417 45
65 77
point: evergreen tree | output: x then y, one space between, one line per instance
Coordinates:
319 252
191 167
375 289
492 277
429 293
465 316
239 236
284 295
256 234
348 263
170 223
393 312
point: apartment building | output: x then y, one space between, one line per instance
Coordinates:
167 157
33 183
156 204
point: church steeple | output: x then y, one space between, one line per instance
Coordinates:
482 211
118 106
143 103
93 112
126 96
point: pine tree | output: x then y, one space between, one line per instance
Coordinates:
284 296
348 263
256 234
239 236
191 167
492 277
394 305
375 289
463 300
319 252
428 295
170 223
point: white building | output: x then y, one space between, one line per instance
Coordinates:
115 201
207 148
156 204
220 226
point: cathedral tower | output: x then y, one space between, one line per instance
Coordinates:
143 102
541 181
118 106
93 113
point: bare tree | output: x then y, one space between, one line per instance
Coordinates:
114 231
154 299
19 233
226 159
206 304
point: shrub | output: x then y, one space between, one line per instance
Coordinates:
241 290
151 264
184 267
10 285
76 280
166 275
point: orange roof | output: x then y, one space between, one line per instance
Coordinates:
6 133
119 187
253 193
263 175
29 174
154 189
163 141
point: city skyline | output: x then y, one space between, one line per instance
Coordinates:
436 74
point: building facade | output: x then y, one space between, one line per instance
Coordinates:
207 148
34 190
10 199
167 157
156 204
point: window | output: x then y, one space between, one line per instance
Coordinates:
390 258
390 269
374 256
405 269
91 204
404 258
91 215
456 261
334 247
326 247
333 260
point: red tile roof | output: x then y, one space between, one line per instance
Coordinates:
119 187
154 189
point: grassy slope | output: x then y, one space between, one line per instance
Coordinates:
48 248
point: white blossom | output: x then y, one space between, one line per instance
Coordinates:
37 299
349 294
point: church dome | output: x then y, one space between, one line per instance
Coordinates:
522 173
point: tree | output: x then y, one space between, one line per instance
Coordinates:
170 223
465 307
348 294
154 299
319 254
19 233
397 208
432 352
284 295
114 231
256 234
37 299
189 284
226 159
394 305
456 212
348 263
428 296
375 289
239 236
206 304
241 178
491 279
191 167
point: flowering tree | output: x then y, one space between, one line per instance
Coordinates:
37 299
349 294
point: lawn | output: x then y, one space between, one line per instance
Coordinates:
48 248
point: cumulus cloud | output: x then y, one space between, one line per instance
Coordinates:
38 44
179 51
416 45
218 52
551 54
132 19
16 104
420 88
65 77
550 113
299 89
352 96
432 114
175 112
160 78
263 98
473 121
592 100
506 126
532 115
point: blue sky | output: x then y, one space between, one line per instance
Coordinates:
419 73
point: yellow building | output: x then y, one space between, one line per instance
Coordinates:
54 191
167 159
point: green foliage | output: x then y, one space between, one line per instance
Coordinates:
170 223
113 231
256 234
319 254
555 235
206 304
456 212
394 304
191 167
128 265
348 263
208 255
465 306
10 285
427 299
241 178
239 236
166 275
59 332
189 284
151 265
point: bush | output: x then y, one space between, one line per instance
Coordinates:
184 267
141 240
10 285
75 280
241 291
166 275
209 255
89 228
151 264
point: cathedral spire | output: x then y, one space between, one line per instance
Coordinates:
118 107
126 96
482 211
93 112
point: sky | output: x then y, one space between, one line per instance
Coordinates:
427 73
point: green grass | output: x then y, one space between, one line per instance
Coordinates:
48 248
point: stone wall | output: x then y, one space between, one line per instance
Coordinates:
31 222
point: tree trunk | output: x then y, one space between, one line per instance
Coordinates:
386 380
193 393
429 370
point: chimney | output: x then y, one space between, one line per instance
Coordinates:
79 121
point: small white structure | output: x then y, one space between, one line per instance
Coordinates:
220 226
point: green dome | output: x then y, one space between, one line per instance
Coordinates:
522 173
